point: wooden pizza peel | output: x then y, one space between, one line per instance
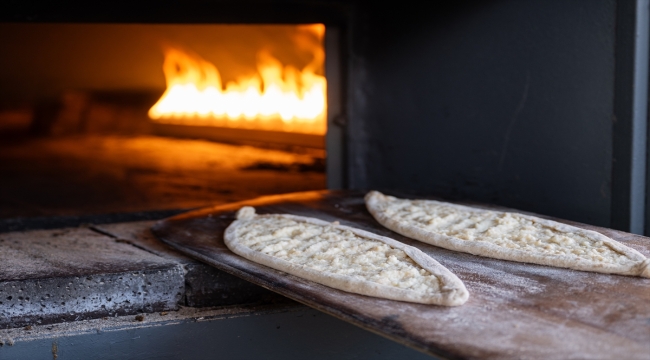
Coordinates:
515 310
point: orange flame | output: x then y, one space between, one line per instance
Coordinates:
280 98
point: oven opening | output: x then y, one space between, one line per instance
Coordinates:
125 118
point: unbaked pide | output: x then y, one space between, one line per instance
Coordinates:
506 235
344 258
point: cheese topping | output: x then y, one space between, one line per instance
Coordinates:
505 230
336 251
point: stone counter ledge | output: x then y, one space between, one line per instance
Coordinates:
63 275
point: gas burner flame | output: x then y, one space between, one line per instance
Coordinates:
279 97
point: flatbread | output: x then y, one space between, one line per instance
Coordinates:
506 235
343 258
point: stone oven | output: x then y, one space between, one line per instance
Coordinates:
114 115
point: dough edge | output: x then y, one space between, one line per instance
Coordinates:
453 291
373 200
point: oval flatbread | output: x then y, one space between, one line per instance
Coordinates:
506 235
343 258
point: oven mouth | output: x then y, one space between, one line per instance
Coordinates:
105 114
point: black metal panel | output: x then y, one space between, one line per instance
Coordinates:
509 102
630 116
298 333
174 11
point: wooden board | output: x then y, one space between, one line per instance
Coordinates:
515 310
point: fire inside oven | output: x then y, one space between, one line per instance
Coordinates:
98 118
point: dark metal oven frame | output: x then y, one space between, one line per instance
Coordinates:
536 105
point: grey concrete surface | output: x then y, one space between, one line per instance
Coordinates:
71 274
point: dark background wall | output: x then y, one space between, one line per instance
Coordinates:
508 102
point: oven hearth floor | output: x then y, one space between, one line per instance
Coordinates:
101 174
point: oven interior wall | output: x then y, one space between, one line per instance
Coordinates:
46 59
